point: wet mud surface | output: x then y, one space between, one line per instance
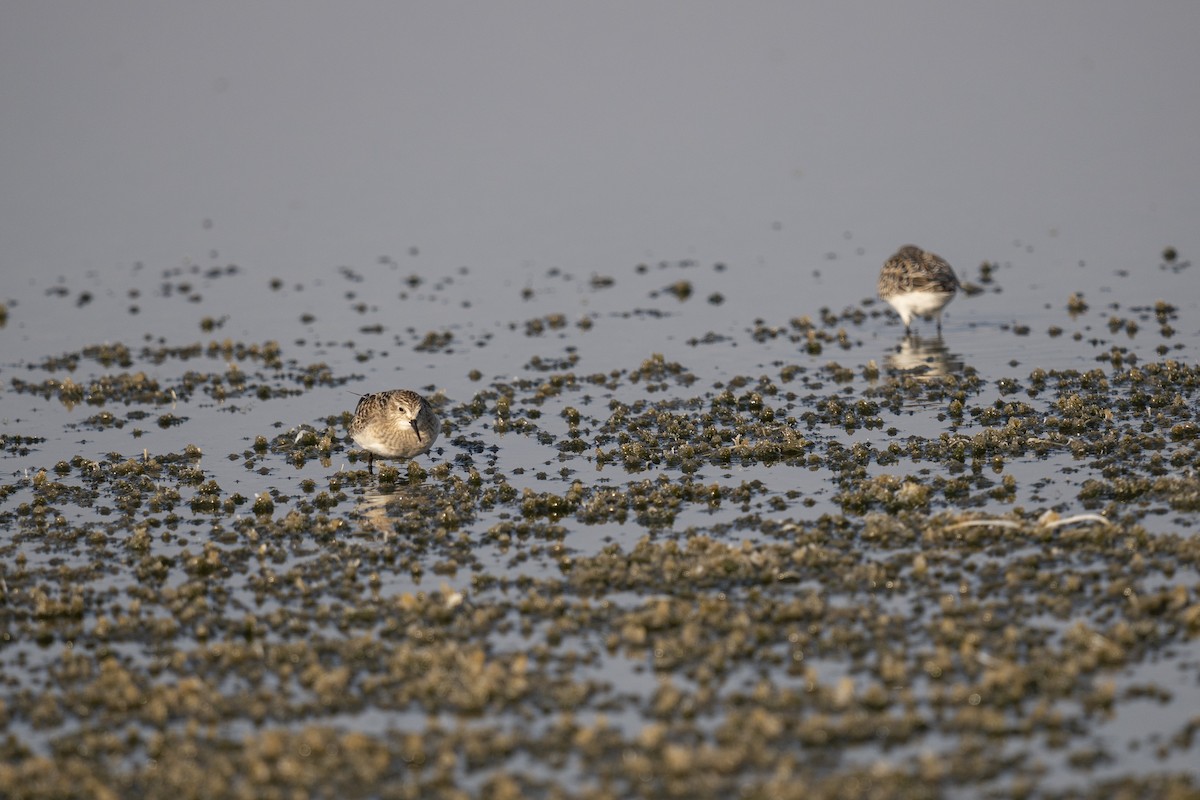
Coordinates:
665 546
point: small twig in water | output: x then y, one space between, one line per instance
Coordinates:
1048 520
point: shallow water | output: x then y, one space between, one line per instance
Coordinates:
487 551
694 522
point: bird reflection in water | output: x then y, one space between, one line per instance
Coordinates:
923 358
401 508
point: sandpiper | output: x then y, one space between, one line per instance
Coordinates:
917 283
393 424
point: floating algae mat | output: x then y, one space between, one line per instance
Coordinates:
661 549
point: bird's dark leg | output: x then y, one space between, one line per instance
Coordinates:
370 463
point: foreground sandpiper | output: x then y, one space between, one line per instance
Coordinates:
394 424
917 283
